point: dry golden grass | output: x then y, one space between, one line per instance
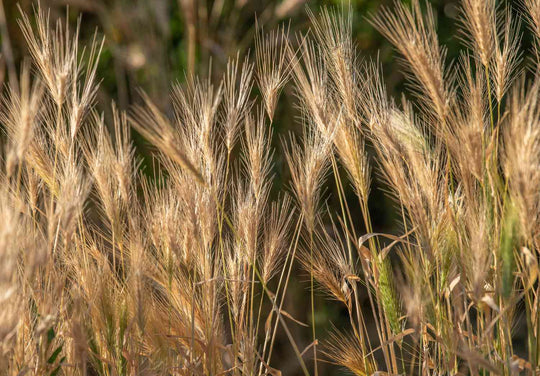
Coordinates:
105 271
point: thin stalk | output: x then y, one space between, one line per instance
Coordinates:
341 199
489 97
221 213
297 237
53 181
252 292
346 214
312 294
283 323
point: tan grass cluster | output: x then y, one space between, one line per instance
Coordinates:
107 271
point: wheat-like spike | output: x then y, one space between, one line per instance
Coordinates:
308 165
311 84
236 98
81 99
331 267
521 156
21 116
532 14
344 349
480 21
414 35
277 226
507 56
54 52
333 31
274 64
152 124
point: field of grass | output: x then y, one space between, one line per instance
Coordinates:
196 257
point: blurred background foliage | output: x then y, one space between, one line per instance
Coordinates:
150 44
